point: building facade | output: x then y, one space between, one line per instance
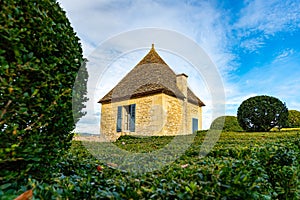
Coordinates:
151 100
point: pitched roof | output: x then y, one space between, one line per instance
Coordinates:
151 75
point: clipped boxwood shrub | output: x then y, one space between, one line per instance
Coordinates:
293 119
40 56
230 124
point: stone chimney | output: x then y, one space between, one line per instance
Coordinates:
181 81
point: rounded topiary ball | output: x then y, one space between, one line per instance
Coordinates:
262 113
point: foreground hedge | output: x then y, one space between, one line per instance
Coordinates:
241 166
40 56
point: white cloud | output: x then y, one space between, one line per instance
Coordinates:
233 102
204 22
252 44
270 17
260 21
279 78
266 18
285 54
96 21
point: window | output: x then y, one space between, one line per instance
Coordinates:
126 118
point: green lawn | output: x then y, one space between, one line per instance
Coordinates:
240 166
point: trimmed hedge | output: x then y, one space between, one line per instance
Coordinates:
294 119
230 124
40 56
240 166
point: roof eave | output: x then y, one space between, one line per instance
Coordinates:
139 95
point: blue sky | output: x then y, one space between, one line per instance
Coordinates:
254 44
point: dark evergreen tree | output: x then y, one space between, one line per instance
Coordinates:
262 113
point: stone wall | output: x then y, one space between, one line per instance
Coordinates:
108 122
174 119
147 119
158 114
194 111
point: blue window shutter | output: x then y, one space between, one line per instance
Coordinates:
195 125
132 118
119 119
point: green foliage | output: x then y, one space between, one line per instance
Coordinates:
262 113
294 119
230 124
40 56
141 144
240 166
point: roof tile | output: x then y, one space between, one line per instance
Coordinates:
151 75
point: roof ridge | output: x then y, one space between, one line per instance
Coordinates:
152 57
